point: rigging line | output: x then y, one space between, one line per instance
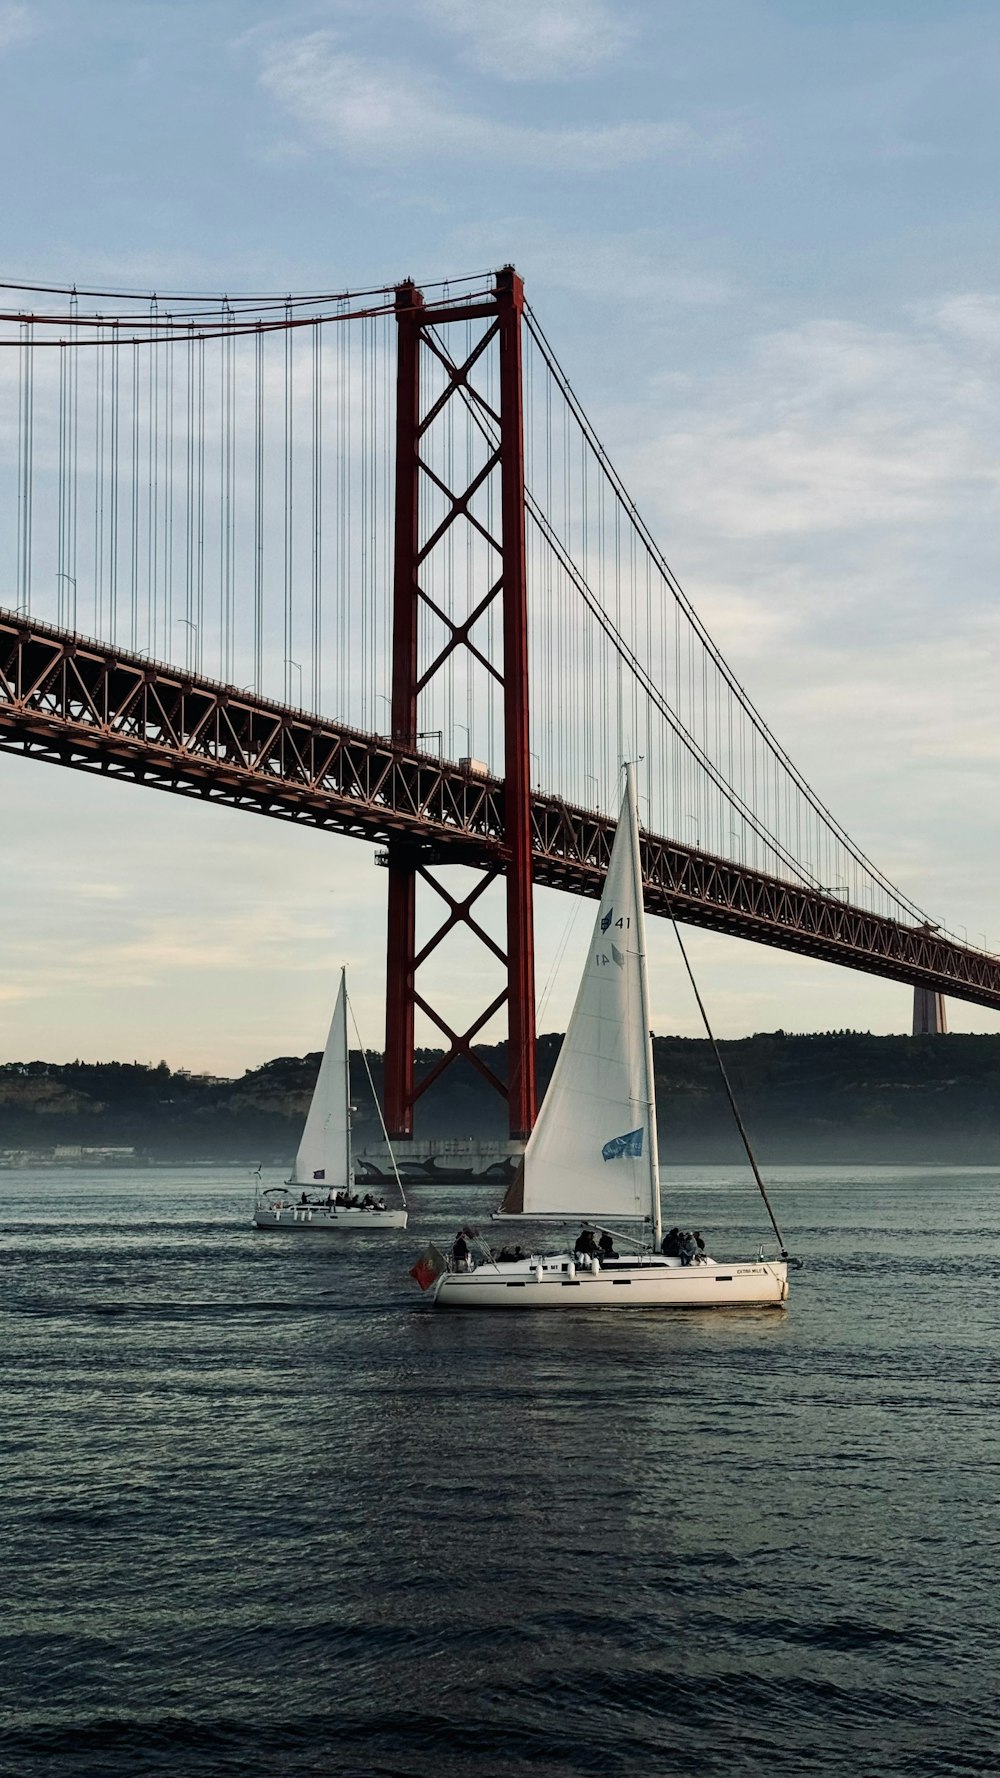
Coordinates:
560 953
696 622
729 1091
378 1105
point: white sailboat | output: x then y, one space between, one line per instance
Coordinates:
593 1154
320 1197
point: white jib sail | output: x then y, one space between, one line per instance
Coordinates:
593 1150
324 1157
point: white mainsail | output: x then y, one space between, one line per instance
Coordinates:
324 1156
593 1151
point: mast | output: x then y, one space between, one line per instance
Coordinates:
647 1038
347 1072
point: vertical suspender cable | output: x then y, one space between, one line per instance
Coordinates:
200 509
258 511
289 489
134 535
168 500
153 483
25 460
62 487
316 639
227 489
99 476
113 495
190 633
74 441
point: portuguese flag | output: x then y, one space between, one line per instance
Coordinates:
429 1266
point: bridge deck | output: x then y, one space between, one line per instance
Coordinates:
79 703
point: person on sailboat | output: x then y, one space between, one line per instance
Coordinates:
606 1247
585 1243
671 1244
460 1253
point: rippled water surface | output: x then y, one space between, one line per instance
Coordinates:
265 1515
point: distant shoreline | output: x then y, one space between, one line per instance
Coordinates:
833 1097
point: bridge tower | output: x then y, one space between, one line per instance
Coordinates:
422 331
929 1016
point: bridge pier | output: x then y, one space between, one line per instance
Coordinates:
929 1016
500 310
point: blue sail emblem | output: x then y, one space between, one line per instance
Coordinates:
620 1146
606 922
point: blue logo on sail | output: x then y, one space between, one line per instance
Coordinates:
620 1146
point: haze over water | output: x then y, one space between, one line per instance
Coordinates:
266 1516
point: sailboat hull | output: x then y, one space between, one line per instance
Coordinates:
318 1220
649 1284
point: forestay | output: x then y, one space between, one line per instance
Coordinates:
593 1149
324 1156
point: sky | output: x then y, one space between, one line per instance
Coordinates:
763 239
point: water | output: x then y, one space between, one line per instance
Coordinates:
265 1516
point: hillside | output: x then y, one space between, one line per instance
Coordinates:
834 1096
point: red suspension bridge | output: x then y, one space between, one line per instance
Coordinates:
357 519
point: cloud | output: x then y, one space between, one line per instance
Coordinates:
375 111
533 39
972 317
17 25
833 427
646 271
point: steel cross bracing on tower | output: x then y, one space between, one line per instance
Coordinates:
77 703
499 574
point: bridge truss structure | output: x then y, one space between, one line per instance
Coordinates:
80 704
397 497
